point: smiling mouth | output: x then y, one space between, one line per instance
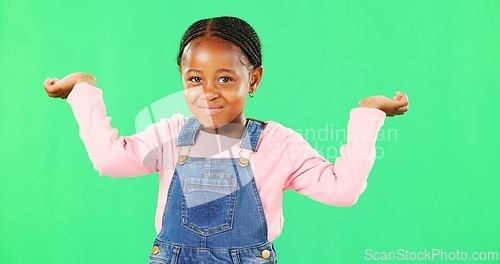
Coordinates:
211 110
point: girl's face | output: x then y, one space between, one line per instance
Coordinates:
216 82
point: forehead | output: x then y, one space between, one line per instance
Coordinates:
211 53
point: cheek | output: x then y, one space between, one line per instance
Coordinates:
236 96
190 94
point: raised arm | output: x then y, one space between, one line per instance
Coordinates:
111 155
339 183
342 182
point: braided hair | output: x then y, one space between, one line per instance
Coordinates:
232 29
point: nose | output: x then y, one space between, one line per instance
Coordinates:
210 91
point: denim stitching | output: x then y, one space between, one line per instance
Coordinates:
263 245
228 221
168 194
244 137
188 132
259 204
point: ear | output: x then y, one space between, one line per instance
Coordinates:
255 78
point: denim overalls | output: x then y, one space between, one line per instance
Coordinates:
213 212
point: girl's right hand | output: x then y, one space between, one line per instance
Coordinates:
61 88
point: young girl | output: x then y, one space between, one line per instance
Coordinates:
222 175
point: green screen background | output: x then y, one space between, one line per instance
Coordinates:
434 183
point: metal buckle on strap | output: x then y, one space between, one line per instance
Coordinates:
243 161
183 157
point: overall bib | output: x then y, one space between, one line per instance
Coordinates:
213 212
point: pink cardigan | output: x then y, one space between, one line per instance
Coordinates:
283 161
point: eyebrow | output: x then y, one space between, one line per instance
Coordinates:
219 70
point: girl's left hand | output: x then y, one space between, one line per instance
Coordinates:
398 105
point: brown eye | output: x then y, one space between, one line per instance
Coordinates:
195 79
226 79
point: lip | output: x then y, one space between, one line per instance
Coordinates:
211 110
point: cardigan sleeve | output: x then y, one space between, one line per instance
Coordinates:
342 182
112 155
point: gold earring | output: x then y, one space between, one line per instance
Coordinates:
251 94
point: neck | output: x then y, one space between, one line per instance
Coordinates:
230 130
233 129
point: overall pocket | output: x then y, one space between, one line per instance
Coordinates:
208 202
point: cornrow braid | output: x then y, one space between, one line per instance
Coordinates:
232 29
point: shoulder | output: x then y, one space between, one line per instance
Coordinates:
173 123
275 127
277 132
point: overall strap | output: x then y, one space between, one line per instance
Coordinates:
251 137
188 132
